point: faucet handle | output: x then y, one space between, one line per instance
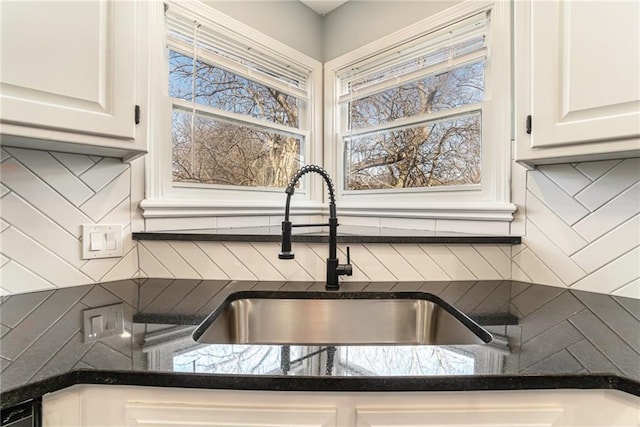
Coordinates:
345 269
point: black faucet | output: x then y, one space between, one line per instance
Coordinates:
334 268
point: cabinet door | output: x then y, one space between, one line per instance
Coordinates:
586 65
181 414
578 76
459 416
69 65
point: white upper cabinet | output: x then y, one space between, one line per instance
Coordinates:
577 73
68 75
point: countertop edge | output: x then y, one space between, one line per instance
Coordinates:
303 238
323 384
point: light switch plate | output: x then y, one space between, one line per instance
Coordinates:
103 322
108 238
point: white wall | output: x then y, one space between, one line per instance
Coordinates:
289 22
350 26
357 22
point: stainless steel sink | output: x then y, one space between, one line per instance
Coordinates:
325 318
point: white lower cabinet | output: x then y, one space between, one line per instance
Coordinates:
248 414
456 415
110 406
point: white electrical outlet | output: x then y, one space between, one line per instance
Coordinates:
101 241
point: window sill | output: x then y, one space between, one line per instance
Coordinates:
469 211
185 209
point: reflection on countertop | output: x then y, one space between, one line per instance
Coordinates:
181 355
538 330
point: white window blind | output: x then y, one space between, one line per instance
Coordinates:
428 54
412 113
196 35
240 108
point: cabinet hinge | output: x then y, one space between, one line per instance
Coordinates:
529 124
137 115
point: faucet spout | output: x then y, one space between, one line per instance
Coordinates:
334 268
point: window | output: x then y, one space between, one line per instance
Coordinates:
213 144
237 116
412 116
420 121
241 117
414 125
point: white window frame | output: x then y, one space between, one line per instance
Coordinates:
488 201
176 205
169 205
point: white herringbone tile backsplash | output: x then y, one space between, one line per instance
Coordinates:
582 232
371 262
46 198
583 227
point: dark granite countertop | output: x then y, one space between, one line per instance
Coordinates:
346 234
544 337
319 384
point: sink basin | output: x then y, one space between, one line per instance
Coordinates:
341 318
